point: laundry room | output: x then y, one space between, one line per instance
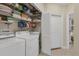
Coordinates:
39 29
20 25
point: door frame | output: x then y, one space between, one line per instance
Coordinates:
67 30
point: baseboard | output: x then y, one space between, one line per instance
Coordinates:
46 54
56 48
63 47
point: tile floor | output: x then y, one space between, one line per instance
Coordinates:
64 52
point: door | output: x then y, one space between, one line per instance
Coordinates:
56 23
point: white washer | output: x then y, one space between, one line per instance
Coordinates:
32 42
12 47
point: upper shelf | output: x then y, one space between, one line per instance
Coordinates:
14 8
33 12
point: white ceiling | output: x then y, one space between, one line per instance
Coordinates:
60 4
64 4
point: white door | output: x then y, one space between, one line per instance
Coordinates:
56 23
52 32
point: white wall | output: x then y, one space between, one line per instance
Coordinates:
76 26
54 8
40 6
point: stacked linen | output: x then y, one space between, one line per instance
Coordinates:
5 8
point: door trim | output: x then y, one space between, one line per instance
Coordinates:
67 30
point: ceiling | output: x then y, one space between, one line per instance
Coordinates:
60 4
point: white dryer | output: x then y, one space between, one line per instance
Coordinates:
32 42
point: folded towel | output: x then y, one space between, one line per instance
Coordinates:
5 8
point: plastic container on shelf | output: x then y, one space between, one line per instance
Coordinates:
32 24
25 8
17 5
22 24
24 16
